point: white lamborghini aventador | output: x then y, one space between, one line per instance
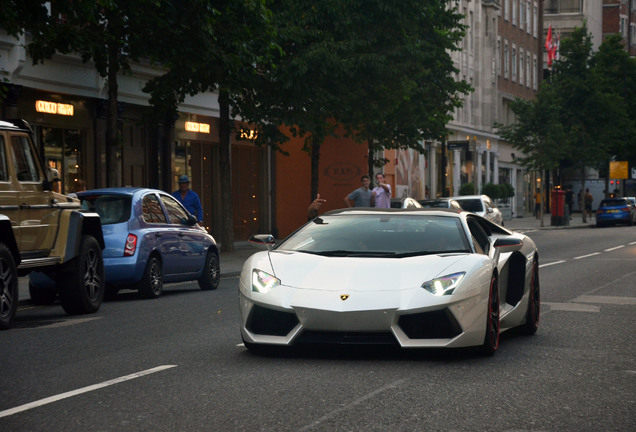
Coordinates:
412 277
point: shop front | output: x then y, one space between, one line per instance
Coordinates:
63 133
196 154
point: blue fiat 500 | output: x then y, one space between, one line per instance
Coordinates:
151 239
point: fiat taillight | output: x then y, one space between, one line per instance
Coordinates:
131 245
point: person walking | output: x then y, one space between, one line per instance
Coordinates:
537 204
569 199
189 198
360 197
381 194
588 203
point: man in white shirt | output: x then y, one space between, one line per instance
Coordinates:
381 194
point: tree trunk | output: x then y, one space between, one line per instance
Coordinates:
584 217
371 162
315 166
113 145
225 155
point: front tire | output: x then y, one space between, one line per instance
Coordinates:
8 288
152 282
491 338
82 280
531 325
211 275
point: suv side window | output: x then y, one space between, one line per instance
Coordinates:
4 173
25 163
176 213
151 210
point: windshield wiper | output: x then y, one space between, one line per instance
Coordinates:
350 253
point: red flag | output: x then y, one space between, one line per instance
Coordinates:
549 46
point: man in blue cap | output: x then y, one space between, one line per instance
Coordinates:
189 198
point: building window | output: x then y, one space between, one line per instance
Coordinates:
506 61
514 63
535 17
563 6
535 84
514 12
522 14
62 152
498 56
528 16
507 10
528 72
521 65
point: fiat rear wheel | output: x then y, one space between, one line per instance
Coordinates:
152 282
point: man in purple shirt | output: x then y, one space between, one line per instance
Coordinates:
381 194
189 198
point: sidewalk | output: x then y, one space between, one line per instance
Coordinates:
530 222
232 262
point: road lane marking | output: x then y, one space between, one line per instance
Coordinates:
358 401
606 300
87 389
632 243
571 307
614 248
552 263
587 256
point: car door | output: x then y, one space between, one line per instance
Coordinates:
161 234
37 215
192 245
9 195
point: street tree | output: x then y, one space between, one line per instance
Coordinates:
222 47
109 34
613 74
538 132
378 72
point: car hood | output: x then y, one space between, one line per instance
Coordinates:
308 271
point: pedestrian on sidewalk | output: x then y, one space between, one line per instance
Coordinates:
381 194
537 204
569 199
588 203
189 198
360 197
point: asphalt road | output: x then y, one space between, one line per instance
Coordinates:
177 364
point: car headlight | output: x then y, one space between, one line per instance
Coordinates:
262 281
444 285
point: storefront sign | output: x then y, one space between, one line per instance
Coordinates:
53 108
342 171
197 127
248 134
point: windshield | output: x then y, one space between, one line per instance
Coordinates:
613 202
385 235
111 209
471 205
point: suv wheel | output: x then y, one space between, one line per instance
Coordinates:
82 280
8 287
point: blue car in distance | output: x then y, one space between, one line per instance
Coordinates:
151 239
615 210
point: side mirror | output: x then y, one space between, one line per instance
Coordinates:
508 244
263 241
191 220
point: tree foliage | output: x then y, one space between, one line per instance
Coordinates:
380 70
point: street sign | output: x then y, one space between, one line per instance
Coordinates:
618 170
457 145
